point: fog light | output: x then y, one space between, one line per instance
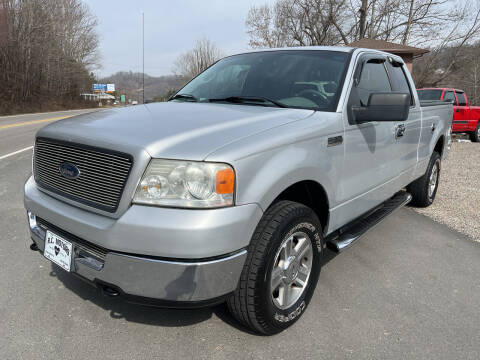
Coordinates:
32 220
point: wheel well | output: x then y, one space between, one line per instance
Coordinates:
311 194
439 145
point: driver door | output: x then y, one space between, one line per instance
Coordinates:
368 166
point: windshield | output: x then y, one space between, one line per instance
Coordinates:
297 79
430 94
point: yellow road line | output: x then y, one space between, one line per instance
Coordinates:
33 122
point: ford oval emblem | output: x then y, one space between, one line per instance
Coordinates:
69 171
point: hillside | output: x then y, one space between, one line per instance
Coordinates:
130 83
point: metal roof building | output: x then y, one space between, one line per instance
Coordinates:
407 53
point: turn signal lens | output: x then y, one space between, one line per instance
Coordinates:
225 181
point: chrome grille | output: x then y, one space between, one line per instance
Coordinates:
103 173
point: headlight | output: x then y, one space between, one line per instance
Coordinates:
186 184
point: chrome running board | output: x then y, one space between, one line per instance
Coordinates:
346 236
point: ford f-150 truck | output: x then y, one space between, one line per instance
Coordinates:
466 118
232 189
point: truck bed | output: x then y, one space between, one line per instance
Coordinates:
427 103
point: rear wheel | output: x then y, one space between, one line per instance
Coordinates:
281 270
475 136
424 189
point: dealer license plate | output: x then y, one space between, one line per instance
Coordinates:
58 250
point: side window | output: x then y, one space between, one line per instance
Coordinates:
373 79
449 97
399 80
462 101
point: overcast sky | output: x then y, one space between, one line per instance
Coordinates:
171 27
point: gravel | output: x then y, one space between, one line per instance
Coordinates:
458 198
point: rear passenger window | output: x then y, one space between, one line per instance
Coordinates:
373 79
399 79
462 101
449 97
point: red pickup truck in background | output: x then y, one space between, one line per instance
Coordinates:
465 118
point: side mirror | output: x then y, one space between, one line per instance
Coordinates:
383 107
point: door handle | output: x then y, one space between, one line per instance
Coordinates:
334 141
399 131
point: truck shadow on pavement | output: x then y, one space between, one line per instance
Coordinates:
120 309
150 315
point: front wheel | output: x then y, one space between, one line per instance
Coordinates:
475 136
424 189
281 270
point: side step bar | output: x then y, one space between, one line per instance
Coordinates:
346 236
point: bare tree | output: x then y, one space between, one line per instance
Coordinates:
443 26
49 47
3 26
193 62
363 18
298 23
333 22
452 49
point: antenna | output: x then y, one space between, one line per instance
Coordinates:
143 57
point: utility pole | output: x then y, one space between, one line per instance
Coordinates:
143 57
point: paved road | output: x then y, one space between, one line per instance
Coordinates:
410 289
17 132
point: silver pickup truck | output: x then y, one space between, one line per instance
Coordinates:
232 190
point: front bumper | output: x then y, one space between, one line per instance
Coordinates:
171 281
171 255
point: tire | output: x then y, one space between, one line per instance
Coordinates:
255 303
475 136
424 189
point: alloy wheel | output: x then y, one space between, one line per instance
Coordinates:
433 181
291 270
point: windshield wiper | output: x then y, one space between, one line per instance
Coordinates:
243 99
188 97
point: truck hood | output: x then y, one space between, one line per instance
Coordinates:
174 130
